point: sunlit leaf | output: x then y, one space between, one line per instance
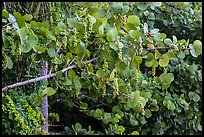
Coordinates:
27 17
49 91
20 20
164 61
133 19
5 14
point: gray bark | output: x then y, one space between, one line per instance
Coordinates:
44 105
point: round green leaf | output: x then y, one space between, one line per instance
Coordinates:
174 39
154 31
196 97
192 51
156 37
48 92
133 19
45 24
113 46
92 10
39 49
127 72
170 105
121 65
148 113
192 68
157 4
181 55
71 74
125 9
143 101
152 63
142 120
98 113
164 61
23 32
32 40
25 48
171 54
103 21
77 85
165 78
150 56
146 94
59 74
117 116
135 133
167 41
61 25
135 34
102 13
78 126
133 120
130 104
190 95
138 60
67 82
27 17
154 107
142 7
101 30
101 73
107 116
112 35
151 16
171 75
83 106
51 52
120 129
197 44
162 36
9 63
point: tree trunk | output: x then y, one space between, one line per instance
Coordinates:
44 105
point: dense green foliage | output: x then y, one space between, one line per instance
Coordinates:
145 77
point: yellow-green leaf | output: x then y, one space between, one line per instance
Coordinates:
27 17
164 61
48 91
133 19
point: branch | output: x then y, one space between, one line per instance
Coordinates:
43 77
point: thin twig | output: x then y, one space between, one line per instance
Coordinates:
56 56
